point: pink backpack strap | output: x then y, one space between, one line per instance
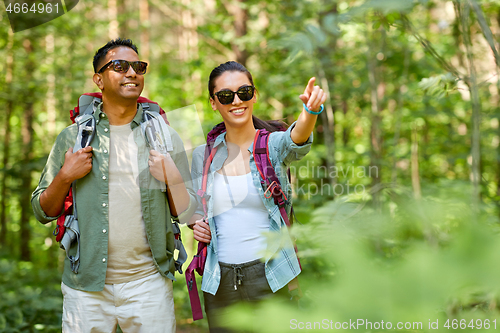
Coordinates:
268 176
194 298
198 262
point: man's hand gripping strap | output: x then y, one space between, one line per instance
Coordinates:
86 132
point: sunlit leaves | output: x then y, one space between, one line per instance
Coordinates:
439 85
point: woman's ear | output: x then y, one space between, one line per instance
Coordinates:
212 103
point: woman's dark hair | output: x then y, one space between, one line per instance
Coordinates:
233 66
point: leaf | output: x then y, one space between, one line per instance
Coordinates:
387 6
316 33
438 86
330 23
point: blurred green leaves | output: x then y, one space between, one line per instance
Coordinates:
414 261
30 298
439 86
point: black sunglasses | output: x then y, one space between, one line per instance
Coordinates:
122 66
227 96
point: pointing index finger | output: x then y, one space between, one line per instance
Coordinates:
310 85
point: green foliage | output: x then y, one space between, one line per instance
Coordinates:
30 298
361 254
413 262
438 86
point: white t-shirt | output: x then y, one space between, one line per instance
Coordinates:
129 253
240 218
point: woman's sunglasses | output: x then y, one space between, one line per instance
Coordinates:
122 66
227 96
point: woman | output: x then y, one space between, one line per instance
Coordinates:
241 265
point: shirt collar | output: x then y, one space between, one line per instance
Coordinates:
221 139
99 114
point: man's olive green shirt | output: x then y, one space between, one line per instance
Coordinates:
92 202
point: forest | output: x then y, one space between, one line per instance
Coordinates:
397 204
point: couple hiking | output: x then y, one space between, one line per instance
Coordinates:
128 182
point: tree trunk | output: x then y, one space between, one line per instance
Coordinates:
328 119
345 129
498 129
471 81
113 31
240 14
50 107
377 91
497 176
399 111
123 19
50 104
6 140
488 35
415 175
145 35
145 23
27 152
327 81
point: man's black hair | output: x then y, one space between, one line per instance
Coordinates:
101 53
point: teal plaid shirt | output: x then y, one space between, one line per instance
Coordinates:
281 263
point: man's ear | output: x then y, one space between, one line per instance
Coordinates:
97 78
212 103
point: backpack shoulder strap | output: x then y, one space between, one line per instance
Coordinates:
155 128
198 262
209 156
268 177
271 181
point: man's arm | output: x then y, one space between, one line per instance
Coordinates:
173 169
76 166
164 169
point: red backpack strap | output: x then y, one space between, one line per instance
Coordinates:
198 262
68 209
206 168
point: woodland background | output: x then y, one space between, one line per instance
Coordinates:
413 93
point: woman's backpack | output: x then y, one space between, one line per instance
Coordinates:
269 181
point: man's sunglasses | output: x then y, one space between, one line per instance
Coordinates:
227 96
122 66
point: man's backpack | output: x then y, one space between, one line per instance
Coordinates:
158 137
268 180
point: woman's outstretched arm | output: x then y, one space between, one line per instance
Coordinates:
313 97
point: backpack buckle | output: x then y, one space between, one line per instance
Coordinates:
274 190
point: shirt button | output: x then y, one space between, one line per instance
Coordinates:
105 151
103 231
103 115
104 178
104 204
103 259
106 130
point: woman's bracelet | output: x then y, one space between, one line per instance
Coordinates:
314 112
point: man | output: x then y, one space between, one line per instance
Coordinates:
126 243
